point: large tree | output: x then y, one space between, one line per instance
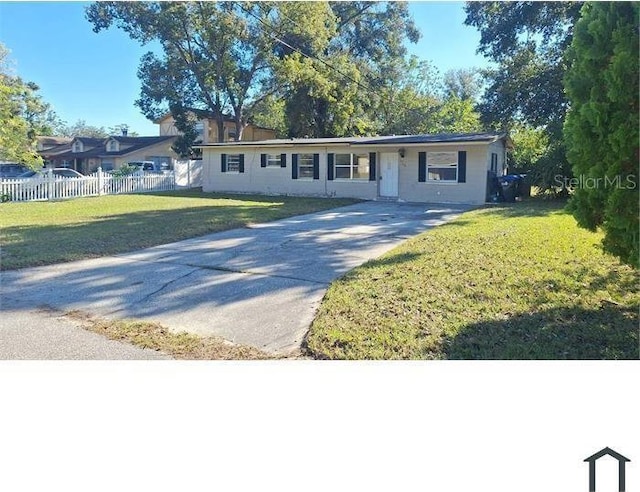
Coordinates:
337 73
213 57
527 42
601 128
23 115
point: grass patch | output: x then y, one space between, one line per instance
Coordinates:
178 345
519 281
41 233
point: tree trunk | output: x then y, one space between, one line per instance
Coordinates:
219 119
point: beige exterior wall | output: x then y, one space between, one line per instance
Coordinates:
167 128
210 134
472 191
269 180
497 148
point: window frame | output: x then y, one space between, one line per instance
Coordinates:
302 158
351 166
199 128
494 162
271 158
229 161
429 167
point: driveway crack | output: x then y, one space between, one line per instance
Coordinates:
257 274
167 284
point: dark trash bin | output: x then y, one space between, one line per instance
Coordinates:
510 186
524 187
494 189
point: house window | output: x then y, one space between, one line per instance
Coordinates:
305 166
494 163
274 160
77 147
199 128
233 163
352 166
442 166
113 146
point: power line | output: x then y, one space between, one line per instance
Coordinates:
297 50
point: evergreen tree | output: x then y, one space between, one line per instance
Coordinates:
601 129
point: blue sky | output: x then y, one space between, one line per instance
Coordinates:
92 77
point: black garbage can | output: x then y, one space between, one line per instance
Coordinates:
525 186
510 186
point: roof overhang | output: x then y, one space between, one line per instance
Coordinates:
370 142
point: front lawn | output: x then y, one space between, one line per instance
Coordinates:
519 281
40 233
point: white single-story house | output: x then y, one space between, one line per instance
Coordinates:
447 168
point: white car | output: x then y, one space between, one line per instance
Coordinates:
58 171
36 181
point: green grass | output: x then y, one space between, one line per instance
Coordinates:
40 233
177 345
513 282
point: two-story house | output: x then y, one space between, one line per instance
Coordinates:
207 128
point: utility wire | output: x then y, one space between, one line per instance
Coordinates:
297 50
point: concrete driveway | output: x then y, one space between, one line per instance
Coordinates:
258 286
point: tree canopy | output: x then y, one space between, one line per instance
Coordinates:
23 115
527 42
601 128
325 60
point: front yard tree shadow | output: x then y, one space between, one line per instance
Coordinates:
610 332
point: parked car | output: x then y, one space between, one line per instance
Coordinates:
58 171
36 180
156 168
12 169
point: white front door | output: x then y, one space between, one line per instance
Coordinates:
389 174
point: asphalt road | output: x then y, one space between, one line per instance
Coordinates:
46 335
259 285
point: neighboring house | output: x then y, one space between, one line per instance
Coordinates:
46 143
86 154
207 128
454 168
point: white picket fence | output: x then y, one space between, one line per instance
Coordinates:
50 187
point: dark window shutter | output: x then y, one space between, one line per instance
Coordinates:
263 160
283 160
422 167
223 161
462 166
372 166
241 165
330 167
294 166
316 166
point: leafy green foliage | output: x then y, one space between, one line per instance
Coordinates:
459 292
601 129
418 100
464 83
125 170
81 129
456 115
23 115
342 83
270 113
527 41
214 57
